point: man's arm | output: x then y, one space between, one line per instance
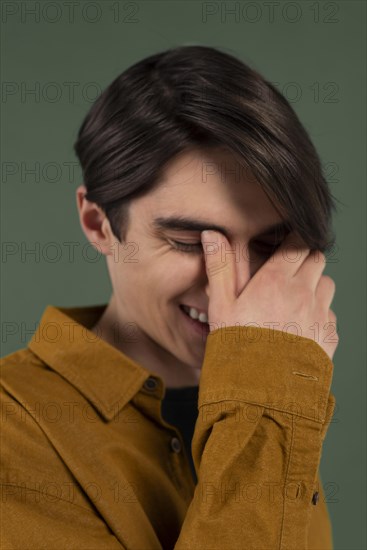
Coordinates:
264 408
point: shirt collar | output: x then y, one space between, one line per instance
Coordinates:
108 378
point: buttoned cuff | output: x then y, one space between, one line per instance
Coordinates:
270 368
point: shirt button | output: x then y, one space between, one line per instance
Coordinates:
315 498
175 444
150 384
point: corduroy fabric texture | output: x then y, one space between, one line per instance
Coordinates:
88 462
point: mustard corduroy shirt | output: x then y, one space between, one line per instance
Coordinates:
87 461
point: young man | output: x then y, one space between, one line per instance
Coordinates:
190 411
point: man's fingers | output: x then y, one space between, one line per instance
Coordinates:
312 268
219 267
325 290
290 255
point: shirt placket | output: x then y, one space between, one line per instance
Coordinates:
179 460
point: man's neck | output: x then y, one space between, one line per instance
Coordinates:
145 351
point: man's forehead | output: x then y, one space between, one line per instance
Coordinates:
230 210
192 166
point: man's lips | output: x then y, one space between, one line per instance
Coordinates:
200 327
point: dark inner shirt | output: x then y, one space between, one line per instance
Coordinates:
180 408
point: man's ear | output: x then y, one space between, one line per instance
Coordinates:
94 223
80 192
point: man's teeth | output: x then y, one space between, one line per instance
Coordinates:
194 314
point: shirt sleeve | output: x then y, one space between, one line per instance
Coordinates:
264 409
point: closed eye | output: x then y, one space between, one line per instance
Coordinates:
195 248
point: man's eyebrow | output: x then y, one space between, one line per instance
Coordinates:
180 223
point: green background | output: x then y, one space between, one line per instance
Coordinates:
313 51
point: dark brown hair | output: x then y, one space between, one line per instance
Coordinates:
194 97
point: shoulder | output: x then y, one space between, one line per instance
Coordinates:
24 377
21 364
30 397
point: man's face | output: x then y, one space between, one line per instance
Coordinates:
152 278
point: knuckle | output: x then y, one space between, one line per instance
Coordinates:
327 279
332 315
330 284
271 280
275 276
218 268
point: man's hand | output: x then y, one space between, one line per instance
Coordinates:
284 290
